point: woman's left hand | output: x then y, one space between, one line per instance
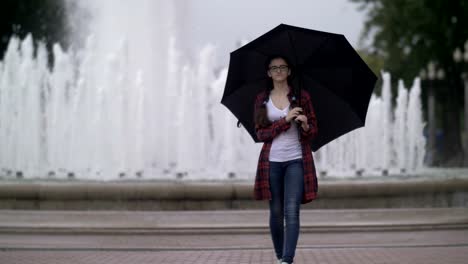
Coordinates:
303 120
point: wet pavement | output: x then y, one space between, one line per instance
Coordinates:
432 235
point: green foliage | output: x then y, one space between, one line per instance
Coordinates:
44 19
407 34
375 63
410 33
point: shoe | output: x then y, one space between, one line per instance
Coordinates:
280 261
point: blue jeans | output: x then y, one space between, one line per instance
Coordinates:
286 187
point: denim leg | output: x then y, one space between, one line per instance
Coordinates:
293 190
276 207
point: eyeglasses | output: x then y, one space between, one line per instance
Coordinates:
281 68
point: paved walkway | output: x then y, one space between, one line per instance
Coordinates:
226 237
426 255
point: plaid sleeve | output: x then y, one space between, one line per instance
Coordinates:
311 119
270 132
276 128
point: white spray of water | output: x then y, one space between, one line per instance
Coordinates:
128 105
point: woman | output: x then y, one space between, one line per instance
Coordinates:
286 172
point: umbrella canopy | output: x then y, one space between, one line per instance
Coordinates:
325 64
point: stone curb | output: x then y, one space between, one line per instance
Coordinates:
227 222
213 190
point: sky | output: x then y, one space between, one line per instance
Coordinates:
223 23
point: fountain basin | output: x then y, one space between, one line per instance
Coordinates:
363 192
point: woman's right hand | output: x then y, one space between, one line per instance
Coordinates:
293 113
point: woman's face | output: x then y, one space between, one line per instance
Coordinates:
278 70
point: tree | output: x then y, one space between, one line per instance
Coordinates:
410 33
44 19
376 63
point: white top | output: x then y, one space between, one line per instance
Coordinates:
285 146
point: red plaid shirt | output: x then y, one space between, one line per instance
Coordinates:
262 184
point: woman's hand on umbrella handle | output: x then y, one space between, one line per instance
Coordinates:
293 113
303 120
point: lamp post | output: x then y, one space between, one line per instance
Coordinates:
461 59
430 78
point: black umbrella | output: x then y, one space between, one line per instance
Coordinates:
325 64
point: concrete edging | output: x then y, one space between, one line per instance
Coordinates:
235 195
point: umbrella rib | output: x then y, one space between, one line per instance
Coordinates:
264 54
243 81
320 47
297 63
316 51
293 47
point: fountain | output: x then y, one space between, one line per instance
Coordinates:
391 142
127 105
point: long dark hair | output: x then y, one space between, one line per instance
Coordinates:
261 118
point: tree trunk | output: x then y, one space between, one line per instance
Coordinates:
452 151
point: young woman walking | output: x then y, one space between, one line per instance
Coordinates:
286 175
